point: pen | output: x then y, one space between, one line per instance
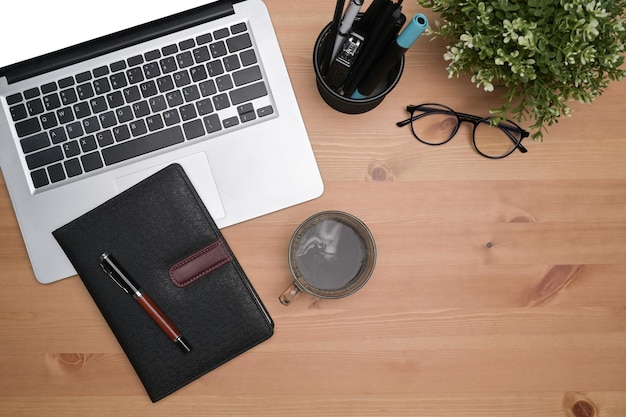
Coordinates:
122 279
409 35
346 23
327 55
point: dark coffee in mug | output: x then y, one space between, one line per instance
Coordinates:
331 255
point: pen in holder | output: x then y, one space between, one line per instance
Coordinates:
343 103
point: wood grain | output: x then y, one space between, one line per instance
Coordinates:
499 290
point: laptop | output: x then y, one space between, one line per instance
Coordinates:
94 98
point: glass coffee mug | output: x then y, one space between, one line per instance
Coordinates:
331 255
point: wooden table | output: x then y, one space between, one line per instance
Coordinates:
500 286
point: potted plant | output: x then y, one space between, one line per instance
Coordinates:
543 53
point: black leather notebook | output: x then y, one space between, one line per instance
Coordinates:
160 232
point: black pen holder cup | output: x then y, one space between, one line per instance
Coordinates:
345 104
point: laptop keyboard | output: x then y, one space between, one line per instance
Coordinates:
116 112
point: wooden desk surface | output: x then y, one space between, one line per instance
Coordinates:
500 287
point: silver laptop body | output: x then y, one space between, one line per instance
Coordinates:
247 151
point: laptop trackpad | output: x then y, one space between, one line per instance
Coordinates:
198 170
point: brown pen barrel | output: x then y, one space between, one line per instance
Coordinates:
158 316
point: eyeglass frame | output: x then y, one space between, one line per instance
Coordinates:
464 117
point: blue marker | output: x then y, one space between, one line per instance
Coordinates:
390 59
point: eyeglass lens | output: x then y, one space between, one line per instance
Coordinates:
436 124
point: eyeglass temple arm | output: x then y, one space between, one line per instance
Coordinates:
470 117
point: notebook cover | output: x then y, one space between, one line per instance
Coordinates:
157 225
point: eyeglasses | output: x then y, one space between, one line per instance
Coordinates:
436 124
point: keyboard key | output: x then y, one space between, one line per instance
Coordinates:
132 94
118 80
101 86
107 119
191 93
218 49
88 143
91 161
193 129
44 157
104 138
154 122
221 101
212 123
115 99
231 63
34 107
142 145
148 89
31 93
188 112
186 44
121 133
165 83
151 70
169 50
35 142
14 99
204 107
224 82
71 149
135 60
247 93
91 125
98 104
174 98
52 101
101 72
118 66
207 88
239 42
58 135
18 112
134 75
65 115
141 109
138 128
66 82
198 73
40 178
215 68
73 168
49 88
124 114
27 127
48 120
247 75
56 173
248 57
230 122
201 54
168 65
85 91
74 130
152 55
157 104
83 77
184 60
171 117
238 28
221 33
202 39
81 109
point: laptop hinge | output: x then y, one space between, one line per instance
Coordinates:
113 42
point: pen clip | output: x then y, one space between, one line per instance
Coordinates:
109 269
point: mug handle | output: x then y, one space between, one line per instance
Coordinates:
290 293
